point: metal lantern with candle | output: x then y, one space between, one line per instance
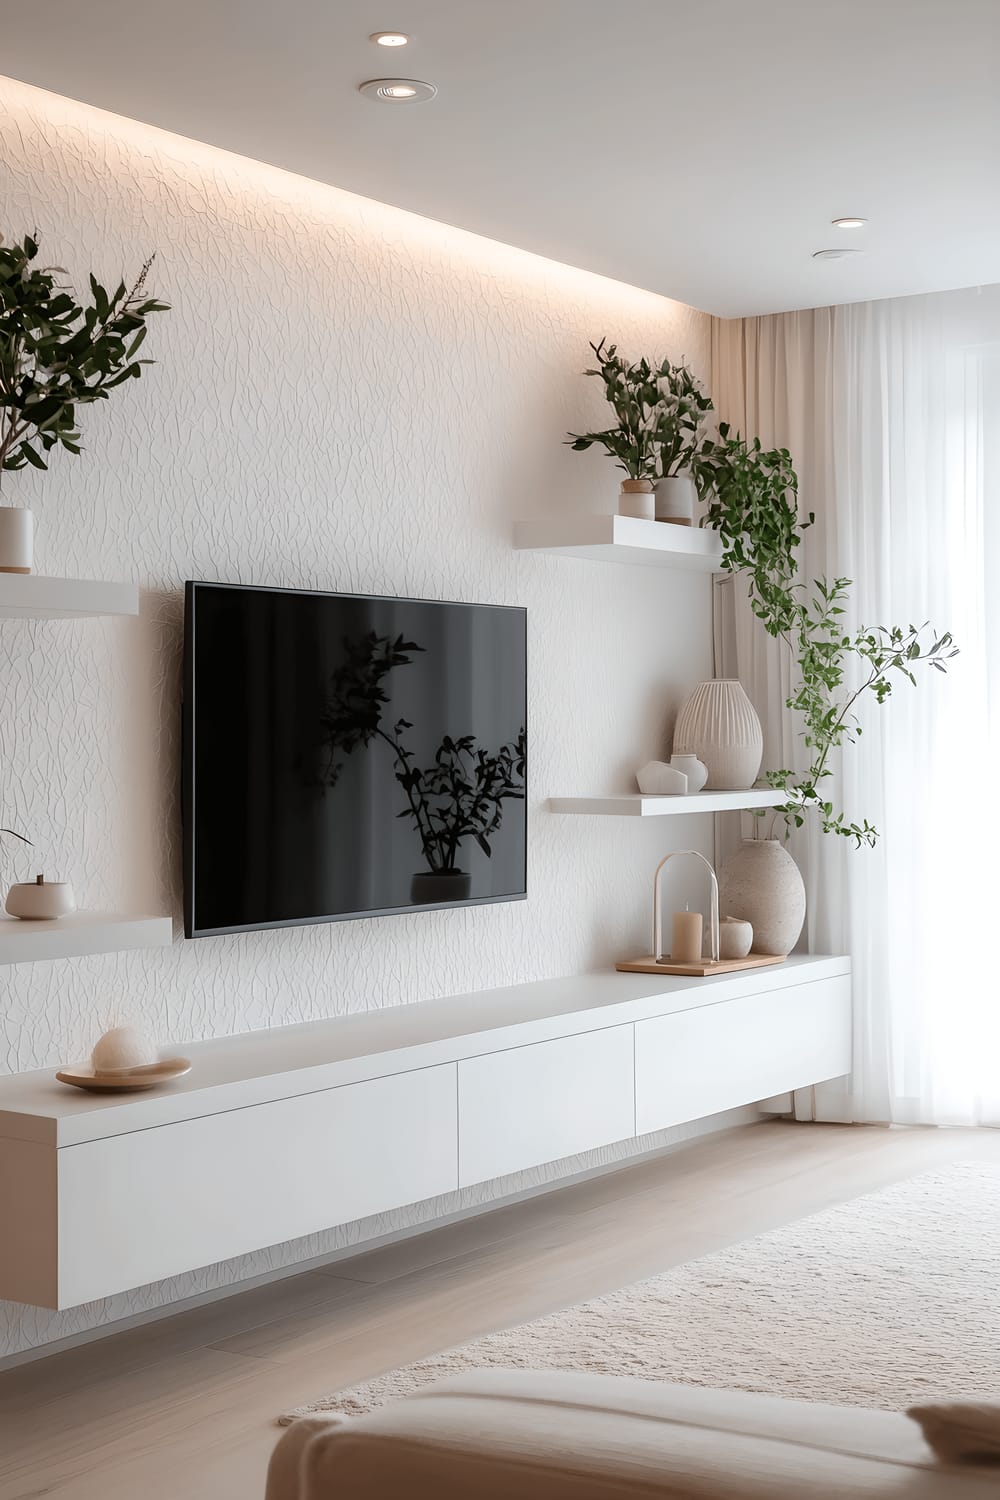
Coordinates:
687 953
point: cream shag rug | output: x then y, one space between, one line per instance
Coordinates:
884 1301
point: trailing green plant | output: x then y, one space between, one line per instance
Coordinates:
751 494
57 354
460 796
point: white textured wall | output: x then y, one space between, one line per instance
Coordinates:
346 397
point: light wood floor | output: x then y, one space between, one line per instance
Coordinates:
185 1407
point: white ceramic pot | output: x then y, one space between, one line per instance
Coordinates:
657 779
41 899
17 538
761 883
675 498
735 938
637 499
694 769
719 724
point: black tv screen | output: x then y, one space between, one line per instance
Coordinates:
349 756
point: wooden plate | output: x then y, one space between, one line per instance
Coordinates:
129 1080
699 970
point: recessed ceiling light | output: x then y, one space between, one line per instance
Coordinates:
849 223
389 38
397 90
839 252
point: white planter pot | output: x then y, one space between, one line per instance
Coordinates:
17 535
637 499
675 498
719 724
761 883
694 769
41 900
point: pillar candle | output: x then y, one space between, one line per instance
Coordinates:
687 937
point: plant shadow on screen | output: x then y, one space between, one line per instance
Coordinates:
459 796
350 755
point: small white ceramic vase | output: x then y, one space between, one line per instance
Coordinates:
719 724
761 881
637 499
694 769
41 900
735 938
675 498
17 537
657 779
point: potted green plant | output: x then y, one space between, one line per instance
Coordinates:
56 354
459 797
633 392
679 433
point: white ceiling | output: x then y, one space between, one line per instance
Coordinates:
698 148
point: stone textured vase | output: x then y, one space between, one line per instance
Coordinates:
719 724
761 883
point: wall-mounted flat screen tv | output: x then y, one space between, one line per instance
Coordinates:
349 756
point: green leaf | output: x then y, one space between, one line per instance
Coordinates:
35 459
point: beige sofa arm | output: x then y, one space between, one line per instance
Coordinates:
545 1435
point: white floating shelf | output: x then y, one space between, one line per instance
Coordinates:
636 805
23 942
29 596
623 539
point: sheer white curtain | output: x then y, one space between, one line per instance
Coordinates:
891 411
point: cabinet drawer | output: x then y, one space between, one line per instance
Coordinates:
698 1062
136 1208
535 1104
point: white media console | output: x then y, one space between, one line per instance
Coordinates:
283 1133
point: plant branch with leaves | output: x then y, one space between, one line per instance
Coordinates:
660 411
460 796
633 393
751 495
57 354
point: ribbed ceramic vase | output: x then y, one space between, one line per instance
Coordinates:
761 883
719 724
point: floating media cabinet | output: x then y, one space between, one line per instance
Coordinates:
283 1133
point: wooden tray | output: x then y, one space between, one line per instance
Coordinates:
699 970
129 1080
